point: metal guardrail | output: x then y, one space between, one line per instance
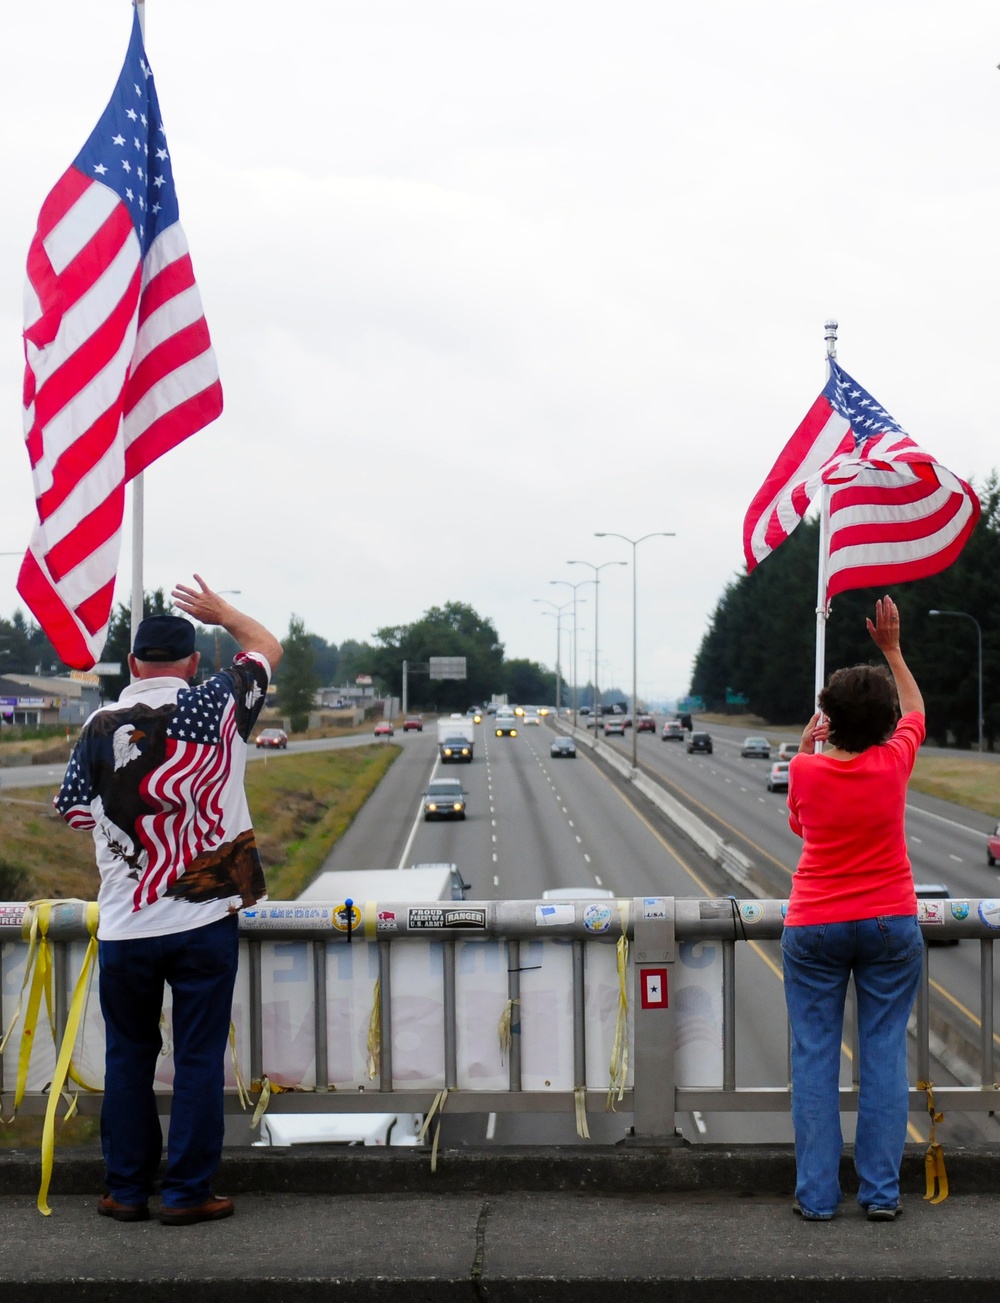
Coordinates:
535 1006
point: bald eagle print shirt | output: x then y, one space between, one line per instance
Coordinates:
158 778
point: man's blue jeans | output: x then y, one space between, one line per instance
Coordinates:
200 967
885 955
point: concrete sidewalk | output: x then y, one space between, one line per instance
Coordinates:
693 1223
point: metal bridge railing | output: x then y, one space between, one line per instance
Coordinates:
495 1006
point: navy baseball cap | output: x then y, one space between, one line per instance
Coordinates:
163 638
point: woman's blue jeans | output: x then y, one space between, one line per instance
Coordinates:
200 967
885 956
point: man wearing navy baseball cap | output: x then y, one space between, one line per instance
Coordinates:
157 777
163 638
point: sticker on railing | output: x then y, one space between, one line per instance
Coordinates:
446 918
989 912
654 907
12 915
751 912
654 988
597 918
715 908
550 915
385 920
930 911
340 921
960 909
262 917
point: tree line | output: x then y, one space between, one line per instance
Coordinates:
311 662
761 636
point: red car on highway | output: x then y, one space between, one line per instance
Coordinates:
383 728
413 724
645 724
275 738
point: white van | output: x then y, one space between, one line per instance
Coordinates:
419 882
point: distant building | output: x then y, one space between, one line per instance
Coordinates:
37 699
350 696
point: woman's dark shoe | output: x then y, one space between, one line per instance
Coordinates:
883 1214
213 1209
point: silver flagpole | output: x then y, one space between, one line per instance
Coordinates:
138 494
823 565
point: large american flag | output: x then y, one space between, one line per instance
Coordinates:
119 365
895 513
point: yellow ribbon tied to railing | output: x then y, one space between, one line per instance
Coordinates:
64 1062
437 1107
375 1032
618 1067
505 1028
241 1086
38 982
580 1107
934 1173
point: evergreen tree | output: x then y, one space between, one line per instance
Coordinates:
296 678
529 682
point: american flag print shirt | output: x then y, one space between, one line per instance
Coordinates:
157 777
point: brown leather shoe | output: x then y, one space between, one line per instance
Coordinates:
213 1209
107 1206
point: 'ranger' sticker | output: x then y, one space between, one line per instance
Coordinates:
445 918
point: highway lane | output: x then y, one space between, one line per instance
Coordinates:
535 822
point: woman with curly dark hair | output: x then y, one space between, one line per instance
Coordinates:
853 911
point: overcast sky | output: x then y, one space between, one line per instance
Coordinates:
484 279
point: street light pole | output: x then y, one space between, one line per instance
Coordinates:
964 615
558 618
597 594
576 680
635 674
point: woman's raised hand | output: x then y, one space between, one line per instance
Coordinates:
885 630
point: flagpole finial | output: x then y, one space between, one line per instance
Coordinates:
831 338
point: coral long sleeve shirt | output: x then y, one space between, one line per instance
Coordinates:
850 815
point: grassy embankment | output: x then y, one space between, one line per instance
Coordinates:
967 780
301 804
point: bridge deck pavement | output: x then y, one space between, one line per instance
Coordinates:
691 1224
